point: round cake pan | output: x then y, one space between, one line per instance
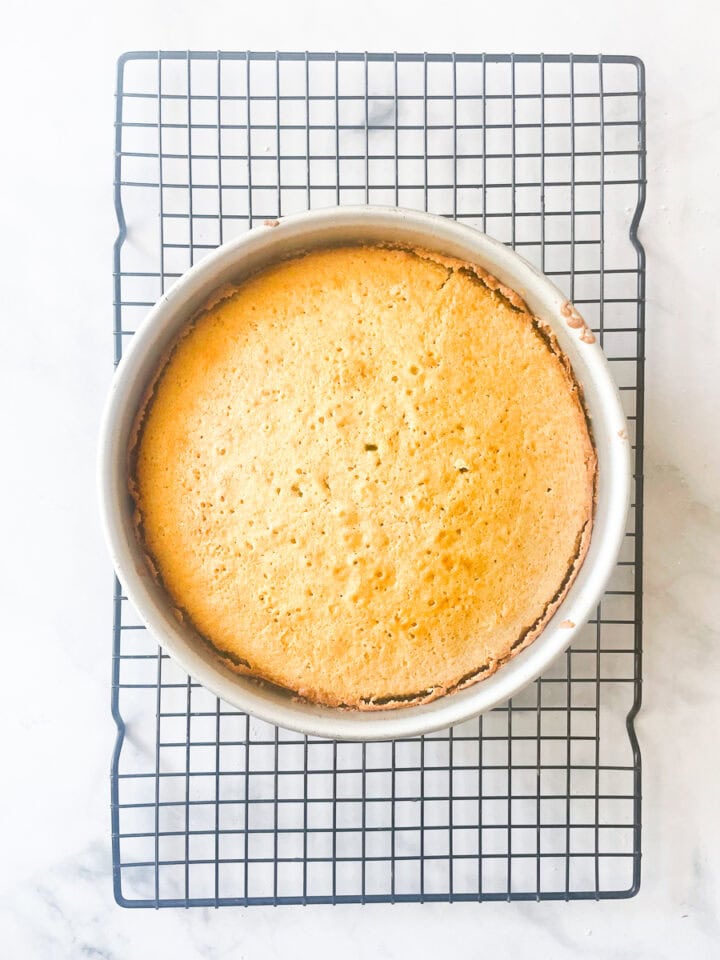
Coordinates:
231 263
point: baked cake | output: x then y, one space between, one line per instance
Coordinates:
365 475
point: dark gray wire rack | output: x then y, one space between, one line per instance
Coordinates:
539 799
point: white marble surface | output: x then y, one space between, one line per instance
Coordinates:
57 81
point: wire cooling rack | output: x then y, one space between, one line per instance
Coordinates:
539 799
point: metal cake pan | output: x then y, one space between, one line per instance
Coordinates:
231 263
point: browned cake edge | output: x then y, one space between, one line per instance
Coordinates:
483 671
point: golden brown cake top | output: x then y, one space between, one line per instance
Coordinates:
366 475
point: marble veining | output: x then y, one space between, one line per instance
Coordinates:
56 731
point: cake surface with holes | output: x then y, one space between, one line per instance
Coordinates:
365 475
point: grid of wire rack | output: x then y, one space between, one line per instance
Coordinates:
539 799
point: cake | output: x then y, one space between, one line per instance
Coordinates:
365 475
